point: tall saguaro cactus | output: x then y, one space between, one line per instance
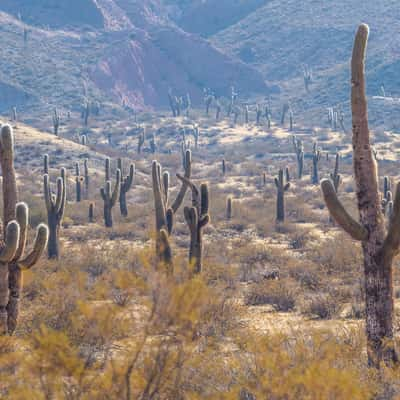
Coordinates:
299 150
110 197
164 212
20 263
281 187
379 247
197 217
12 248
316 157
55 205
335 176
126 185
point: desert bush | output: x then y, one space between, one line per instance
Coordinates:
323 306
281 295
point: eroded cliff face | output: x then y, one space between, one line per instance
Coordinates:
139 71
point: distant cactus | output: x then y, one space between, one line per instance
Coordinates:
268 114
172 103
56 121
281 187
285 109
87 178
184 147
55 205
387 186
223 166
264 178
197 217
208 99
163 211
291 120
91 212
287 174
316 157
141 140
126 184
335 176
299 150
246 114
110 197
84 140
258 114
307 75
107 169
218 110
14 115
46 164
229 208
79 180
86 113
153 144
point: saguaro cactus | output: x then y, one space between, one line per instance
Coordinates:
285 109
55 205
335 176
110 197
281 187
19 262
299 150
126 184
379 247
56 121
165 213
46 164
197 217
229 208
107 169
316 157
91 212
141 140
87 178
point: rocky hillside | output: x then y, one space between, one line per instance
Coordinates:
114 51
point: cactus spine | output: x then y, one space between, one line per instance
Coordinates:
281 187
165 213
126 185
379 247
110 197
316 157
55 205
299 150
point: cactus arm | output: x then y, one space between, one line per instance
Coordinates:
47 193
117 188
22 215
276 182
158 198
205 219
166 248
129 179
182 192
11 242
287 186
392 241
59 196
40 244
165 186
61 211
340 215
196 201
204 199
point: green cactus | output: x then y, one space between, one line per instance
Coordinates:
316 157
335 176
281 187
229 208
56 121
107 169
87 178
10 191
19 262
163 211
110 197
299 150
141 140
126 185
46 164
91 212
197 217
12 248
55 205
